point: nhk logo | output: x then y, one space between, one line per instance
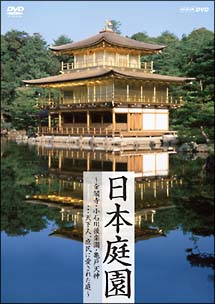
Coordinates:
15 11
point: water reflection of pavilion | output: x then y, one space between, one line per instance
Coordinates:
64 168
72 222
74 162
76 230
151 170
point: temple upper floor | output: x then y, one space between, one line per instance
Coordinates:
106 58
107 49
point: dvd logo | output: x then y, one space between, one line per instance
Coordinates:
15 10
202 9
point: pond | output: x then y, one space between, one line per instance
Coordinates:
41 223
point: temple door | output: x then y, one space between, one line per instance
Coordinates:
135 163
135 122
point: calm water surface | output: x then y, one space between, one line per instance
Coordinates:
42 233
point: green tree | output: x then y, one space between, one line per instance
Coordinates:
23 57
116 26
192 56
35 60
11 45
142 36
164 63
61 40
196 59
24 109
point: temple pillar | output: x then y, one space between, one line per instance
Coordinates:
113 92
141 93
60 161
154 95
116 61
88 94
141 192
127 92
100 93
167 94
49 159
139 62
94 93
59 120
49 121
62 214
155 189
128 121
113 120
152 217
167 189
151 65
128 60
88 161
88 119
114 164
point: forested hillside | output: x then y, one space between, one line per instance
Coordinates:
27 56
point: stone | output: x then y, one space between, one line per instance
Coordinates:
202 148
186 147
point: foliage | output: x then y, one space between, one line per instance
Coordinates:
62 39
142 36
23 57
194 205
189 118
24 109
192 56
195 200
18 168
116 26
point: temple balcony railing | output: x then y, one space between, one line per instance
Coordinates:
118 98
146 67
100 132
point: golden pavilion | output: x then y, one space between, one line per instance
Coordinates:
107 91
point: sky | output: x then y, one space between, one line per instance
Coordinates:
82 19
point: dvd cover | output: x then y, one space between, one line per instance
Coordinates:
107 152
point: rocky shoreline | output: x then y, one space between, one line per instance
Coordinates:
109 143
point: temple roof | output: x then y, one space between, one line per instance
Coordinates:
95 73
112 38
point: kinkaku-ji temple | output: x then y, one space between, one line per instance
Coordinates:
107 90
